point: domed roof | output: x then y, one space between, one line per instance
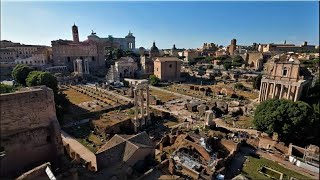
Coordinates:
154 48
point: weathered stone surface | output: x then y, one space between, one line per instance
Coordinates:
192 106
235 110
211 105
222 106
202 109
30 131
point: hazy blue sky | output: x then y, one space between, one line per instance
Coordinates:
186 24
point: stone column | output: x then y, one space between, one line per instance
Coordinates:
74 66
136 104
264 91
88 69
148 102
288 94
281 91
85 67
267 91
261 92
273 90
297 92
142 104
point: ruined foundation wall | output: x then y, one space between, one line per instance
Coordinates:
30 132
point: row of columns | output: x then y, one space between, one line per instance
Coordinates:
265 90
145 116
81 66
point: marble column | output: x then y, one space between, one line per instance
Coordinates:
136 104
142 104
267 91
281 91
288 94
85 66
273 90
148 102
297 93
261 92
88 69
74 66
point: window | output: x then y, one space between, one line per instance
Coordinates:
157 69
68 58
284 71
170 65
92 58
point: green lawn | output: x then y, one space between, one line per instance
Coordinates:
251 167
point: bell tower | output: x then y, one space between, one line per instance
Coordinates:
75 33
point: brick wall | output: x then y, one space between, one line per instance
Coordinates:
30 132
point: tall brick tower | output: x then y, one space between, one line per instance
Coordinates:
75 33
233 46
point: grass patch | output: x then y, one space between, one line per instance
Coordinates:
164 97
76 97
252 165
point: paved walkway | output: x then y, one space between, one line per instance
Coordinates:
78 148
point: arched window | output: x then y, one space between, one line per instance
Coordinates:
284 71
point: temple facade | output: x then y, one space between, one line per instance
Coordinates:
285 80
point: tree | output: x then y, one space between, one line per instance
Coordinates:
4 88
293 121
227 64
192 62
32 78
237 61
154 80
119 53
20 73
221 58
257 82
37 78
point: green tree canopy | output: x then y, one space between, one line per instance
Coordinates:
237 61
154 80
20 73
257 82
293 121
36 78
221 58
227 64
4 88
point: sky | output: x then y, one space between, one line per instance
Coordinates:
185 24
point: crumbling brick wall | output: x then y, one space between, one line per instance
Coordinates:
30 132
